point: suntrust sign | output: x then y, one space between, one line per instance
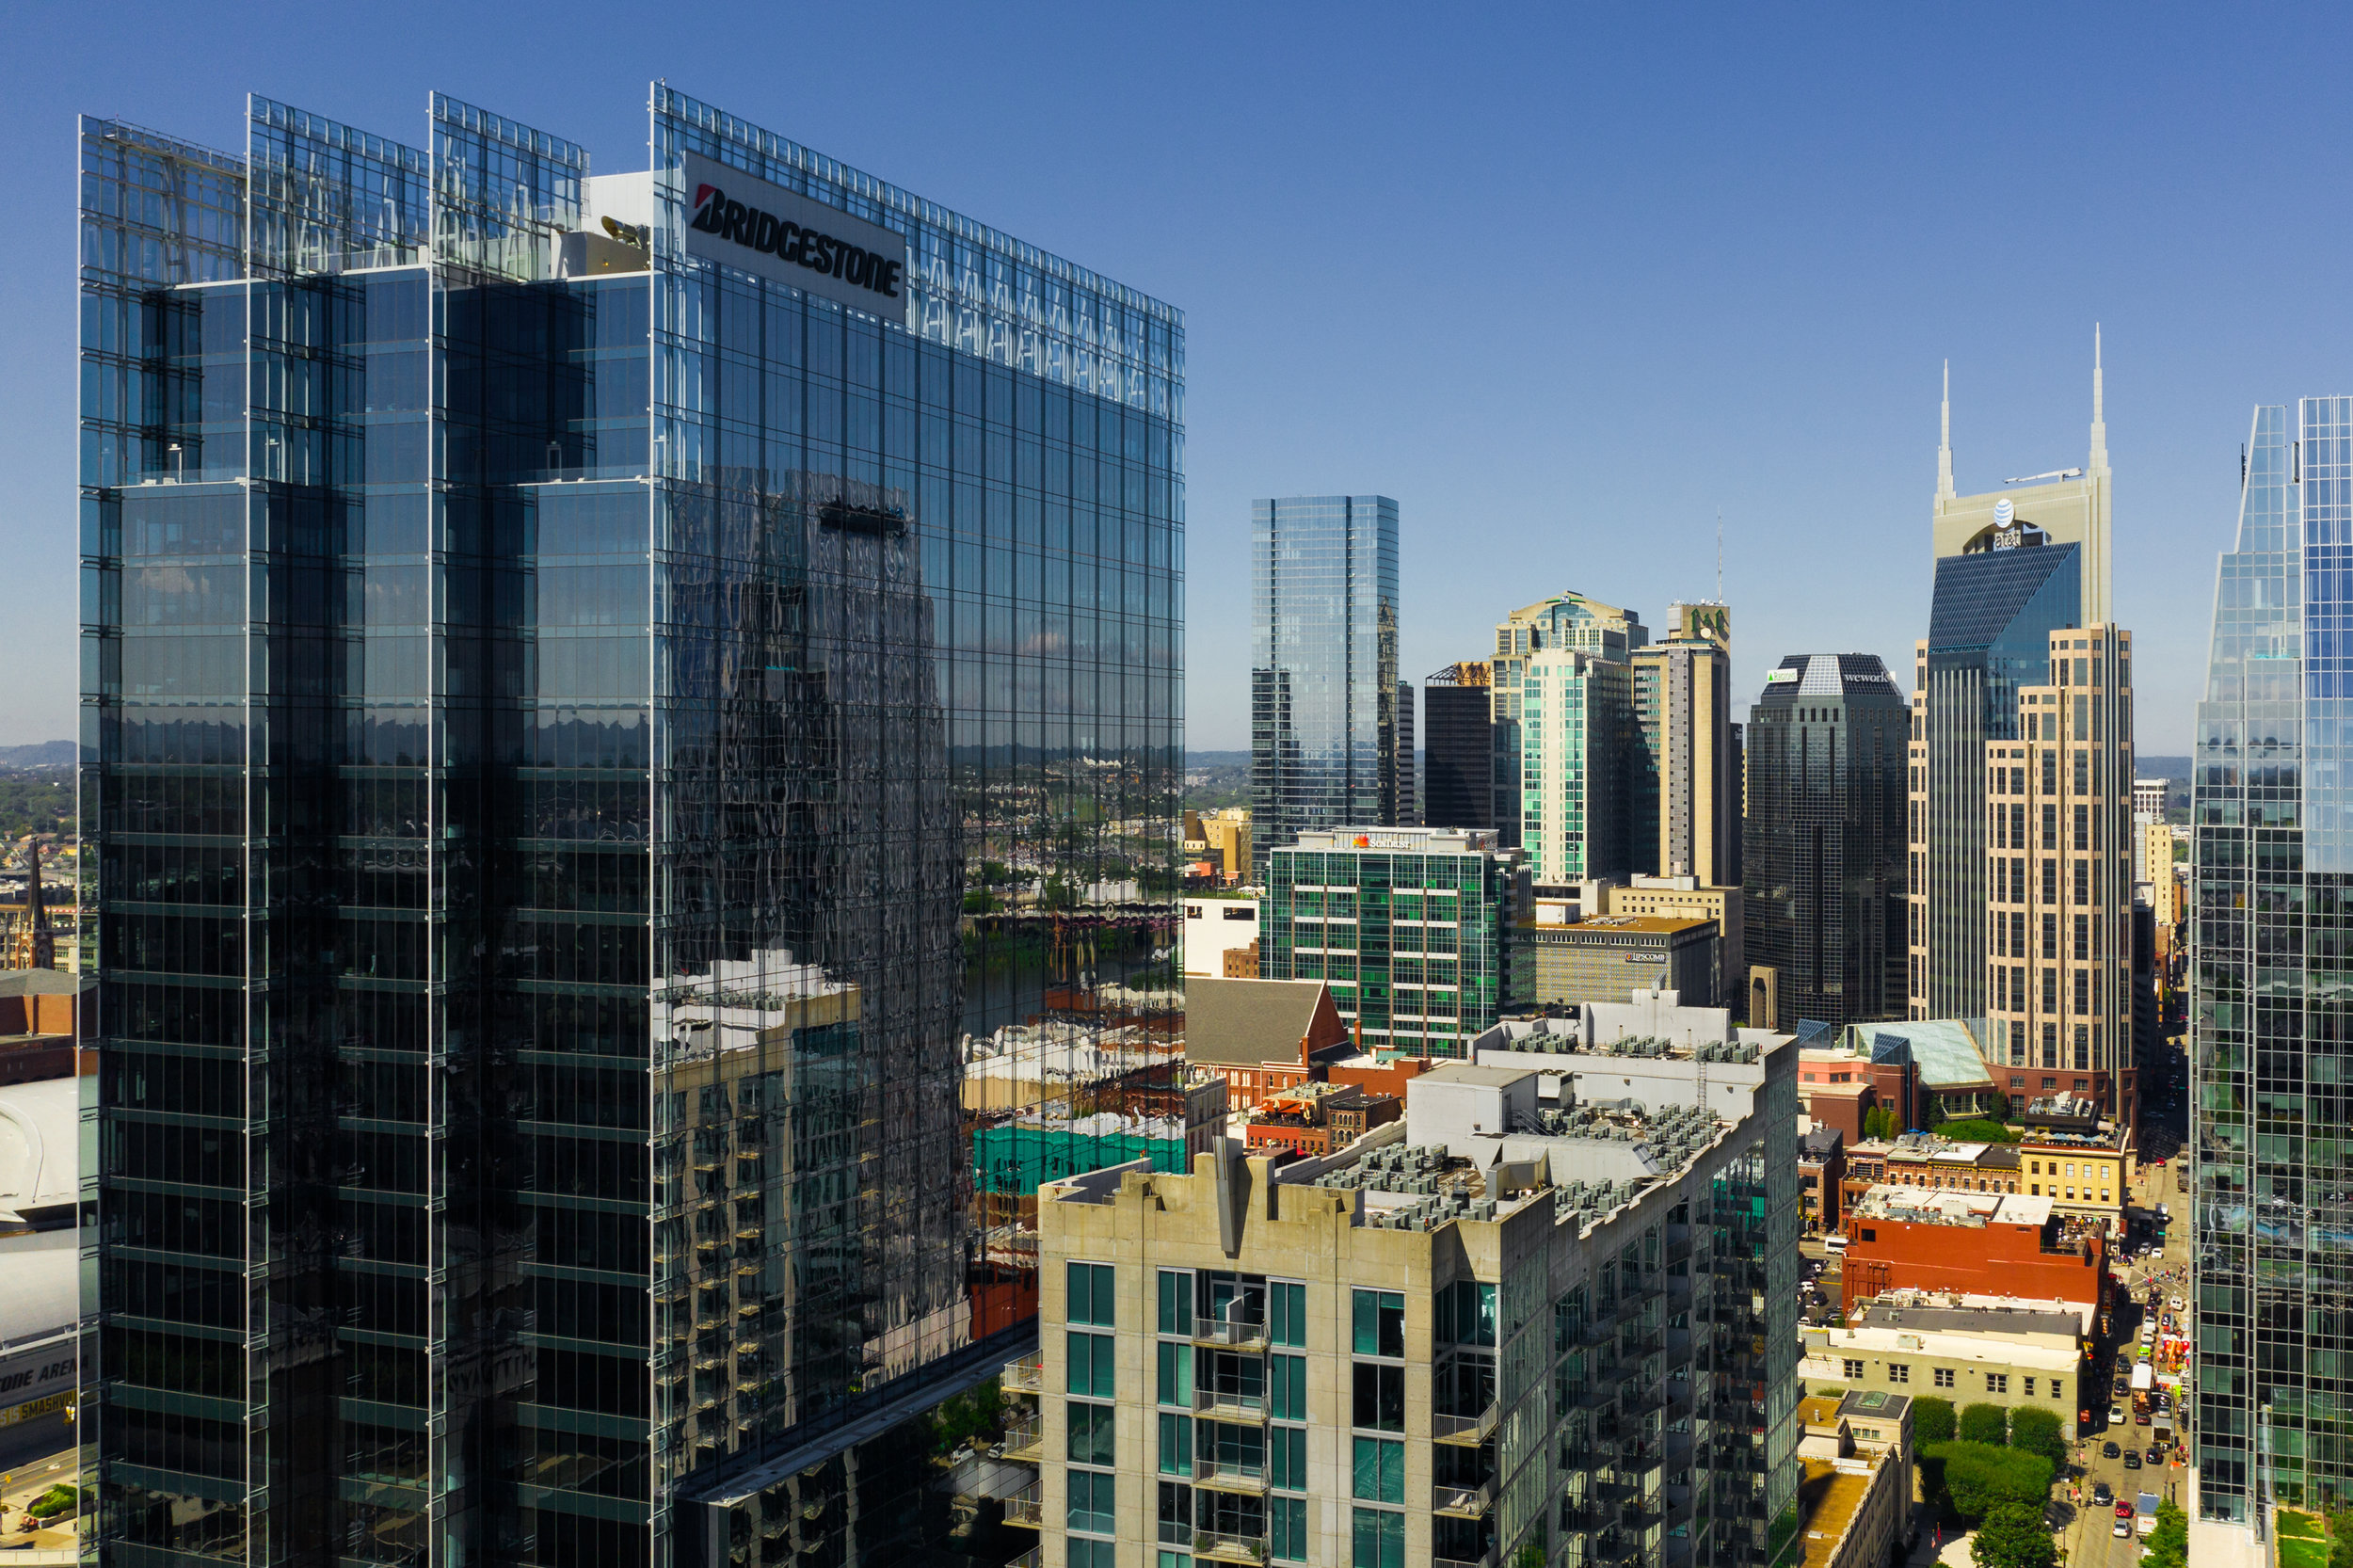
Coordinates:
788 238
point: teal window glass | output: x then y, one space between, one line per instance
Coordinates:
1377 1540
1091 1365
1093 1554
1379 1471
1173 1559
1093 1502
1287 1528
1175 1376
1287 1312
1090 1294
1176 1301
1465 1313
1287 1457
1379 1322
1090 1433
1287 1388
1176 1445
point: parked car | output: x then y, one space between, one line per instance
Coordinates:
2123 1530
2115 1414
2132 1459
2124 1509
2155 1455
2101 1494
2177 1304
2140 1418
2109 1450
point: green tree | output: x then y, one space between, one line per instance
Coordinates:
1878 1122
2012 1536
1966 1480
2340 1538
2037 1431
1984 1423
1932 1421
2169 1543
1999 1107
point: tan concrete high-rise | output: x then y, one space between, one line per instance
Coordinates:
2058 884
1687 778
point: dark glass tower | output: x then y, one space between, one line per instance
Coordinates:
548 691
1323 684
1989 635
1823 904
1458 747
2272 1000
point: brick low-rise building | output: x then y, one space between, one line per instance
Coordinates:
1990 1245
1263 1035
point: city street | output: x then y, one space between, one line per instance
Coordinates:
2088 1533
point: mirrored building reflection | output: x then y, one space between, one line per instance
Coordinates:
603 696
2271 1010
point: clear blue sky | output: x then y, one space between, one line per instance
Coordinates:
1565 281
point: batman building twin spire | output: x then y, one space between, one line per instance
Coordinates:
2020 776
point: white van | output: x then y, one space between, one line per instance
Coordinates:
1834 1242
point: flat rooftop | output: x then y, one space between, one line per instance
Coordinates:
1973 1319
1832 1495
1648 926
1931 1207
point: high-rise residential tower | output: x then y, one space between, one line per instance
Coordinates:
1563 713
1408 813
1824 843
1685 802
2058 884
559 649
1458 747
2271 1015
1324 677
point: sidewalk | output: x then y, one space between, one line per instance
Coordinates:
17 1489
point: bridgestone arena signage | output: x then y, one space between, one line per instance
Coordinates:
787 238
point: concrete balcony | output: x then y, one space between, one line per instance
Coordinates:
1209 1546
1025 1442
1228 1405
1034 1557
1026 1508
1463 1502
1237 1334
1224 1476
1470 1431
1027 1375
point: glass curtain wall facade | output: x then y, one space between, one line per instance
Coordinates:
2271 1016
1458 754
540 732
1540 804
1989 631
1823 904
1324 677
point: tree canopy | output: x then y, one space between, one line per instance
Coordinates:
1967 1479
1931 1420
1984 1423
2012 1536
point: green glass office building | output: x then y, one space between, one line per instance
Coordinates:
1412 927
593 687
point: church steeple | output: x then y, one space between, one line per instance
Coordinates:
1944 446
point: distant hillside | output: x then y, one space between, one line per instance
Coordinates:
1197 760
2161 767
48 754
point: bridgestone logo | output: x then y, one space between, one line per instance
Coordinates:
715 213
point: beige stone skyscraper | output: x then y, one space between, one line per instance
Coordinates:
2059 878
1687 783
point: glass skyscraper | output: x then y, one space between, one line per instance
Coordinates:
2272 1000
1324 677
593 688
1824 842
1988 636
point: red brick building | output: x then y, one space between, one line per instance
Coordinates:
1263 1036
1971 1243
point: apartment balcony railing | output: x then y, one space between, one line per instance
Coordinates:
1237 1333
1025 1441
1027 1375
1217 1547
1027 1508
1034 1557
1225 1475
1466 1502
1472 1429
1229 1404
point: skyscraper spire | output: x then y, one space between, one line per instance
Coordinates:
2099 418
1944 448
